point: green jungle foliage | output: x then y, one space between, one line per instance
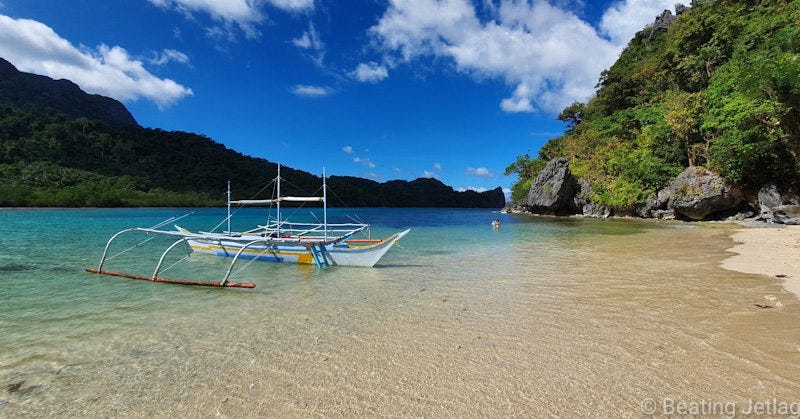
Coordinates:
719 88
51 159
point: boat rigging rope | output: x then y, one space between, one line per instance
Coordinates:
173 265
251 261
130 248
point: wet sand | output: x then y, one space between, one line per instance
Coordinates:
772 251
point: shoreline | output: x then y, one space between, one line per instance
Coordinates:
768 250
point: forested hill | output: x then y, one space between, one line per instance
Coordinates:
62 147
717 86
35 92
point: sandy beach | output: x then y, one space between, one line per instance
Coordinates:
771 251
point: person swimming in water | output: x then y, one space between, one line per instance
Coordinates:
496 224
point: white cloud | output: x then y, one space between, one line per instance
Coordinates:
480 172
168 55
507 193
348 149
372 175
437 165
311 41
311 91
370 72
396 169
548 54
246 14
34 47
293 5
623 19
365 162
472 188
429 174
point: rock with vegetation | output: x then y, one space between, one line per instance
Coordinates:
554 189
698 193
585 205
716 87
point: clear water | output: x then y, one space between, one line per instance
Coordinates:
543 317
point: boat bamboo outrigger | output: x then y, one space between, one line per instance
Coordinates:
322 244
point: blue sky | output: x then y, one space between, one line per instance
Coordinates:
399 89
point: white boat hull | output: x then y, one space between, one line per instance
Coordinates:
342 254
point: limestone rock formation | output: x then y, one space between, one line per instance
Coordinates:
553 191
698 193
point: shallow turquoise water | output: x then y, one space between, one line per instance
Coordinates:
48 298
542 316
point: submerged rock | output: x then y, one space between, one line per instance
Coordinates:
554 189
698 193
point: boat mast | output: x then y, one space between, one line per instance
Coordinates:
229 208
324 204
279 200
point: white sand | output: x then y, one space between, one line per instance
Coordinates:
773 251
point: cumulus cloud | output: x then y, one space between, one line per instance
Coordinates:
34 47
370 72
480 172
429 174
548 54
365 162
348 149
246 14
305 90
169 55
437 165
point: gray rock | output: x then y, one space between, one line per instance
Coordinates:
769 197
679 9
663 21
585 206
698 193
513 207
664 214
596 210
656 204
776 207
786 214
554 189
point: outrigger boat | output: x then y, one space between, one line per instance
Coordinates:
322 244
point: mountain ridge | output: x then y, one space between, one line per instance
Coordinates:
60 147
